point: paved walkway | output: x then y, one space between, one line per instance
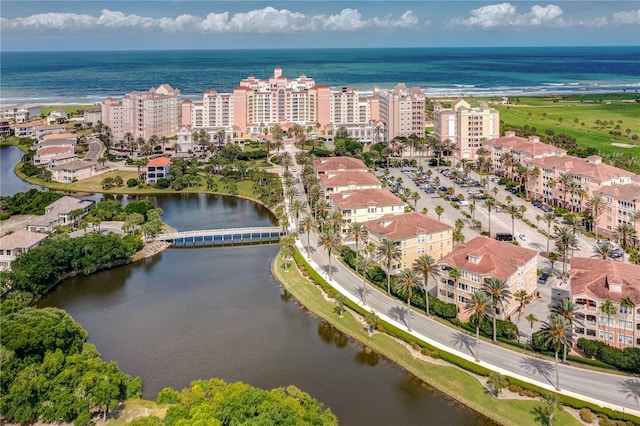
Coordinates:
619 392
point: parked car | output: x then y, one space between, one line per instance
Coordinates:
522 237
442 188
536 203
463 203
543 278
429 190
504 236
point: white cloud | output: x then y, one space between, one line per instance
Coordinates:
265 20
505 15
630 17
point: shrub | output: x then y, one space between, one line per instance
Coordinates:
626 360
162 183
586 415
132 182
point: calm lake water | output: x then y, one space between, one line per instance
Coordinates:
198 313
10 183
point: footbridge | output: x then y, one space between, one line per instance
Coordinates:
228 236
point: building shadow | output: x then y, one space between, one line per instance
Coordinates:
631 389
462 340
538 367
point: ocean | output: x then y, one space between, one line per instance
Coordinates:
88 77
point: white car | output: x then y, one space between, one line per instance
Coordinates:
522 237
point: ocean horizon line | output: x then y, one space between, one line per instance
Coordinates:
253 49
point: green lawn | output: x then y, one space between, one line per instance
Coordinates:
577 117
71 109
451 380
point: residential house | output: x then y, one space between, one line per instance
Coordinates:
27 129
55 115
59 213
365 204
478 261
593 282
20 113
415 234
63 158
47 154
73 171
14 244
158 168
92 115
5 129
335 182
47 129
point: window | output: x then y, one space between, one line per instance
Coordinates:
605 335
626 310
624 339
606 321
627 325
463 286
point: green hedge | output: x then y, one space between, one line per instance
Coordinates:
627 359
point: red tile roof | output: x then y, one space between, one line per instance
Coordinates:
54 150
365 198
581 167
626 192
496 258
339 163
406 225
595 276
530 147
159 162
348 177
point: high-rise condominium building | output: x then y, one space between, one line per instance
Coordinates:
403 111
143 113
465 126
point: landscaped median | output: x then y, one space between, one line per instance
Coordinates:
464 386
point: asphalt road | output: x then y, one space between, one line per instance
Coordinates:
620 392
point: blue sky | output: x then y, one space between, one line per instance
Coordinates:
129 25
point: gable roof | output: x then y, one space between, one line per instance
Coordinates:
496 258
159 162
365 198
396 227
594 276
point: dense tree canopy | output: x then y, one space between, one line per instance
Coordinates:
31 202
217 402
50 374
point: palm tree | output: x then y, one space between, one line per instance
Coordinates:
565 181
489 204
360 234
407 281
336 221
608 308
552 403
596 204
555 333
297 207
499 293
498 382
439 210
553 257
331 242
478 307
425 265
513 211
523 299
387 253
625 232
627 305
548 217
567 310
531 319
602 251
307 224
565 241
364 263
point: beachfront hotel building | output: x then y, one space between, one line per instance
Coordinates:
143 113
414 234
466 127
478 261
593 282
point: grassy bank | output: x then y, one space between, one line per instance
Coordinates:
71 109
453 381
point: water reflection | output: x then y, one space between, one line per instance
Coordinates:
366 356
